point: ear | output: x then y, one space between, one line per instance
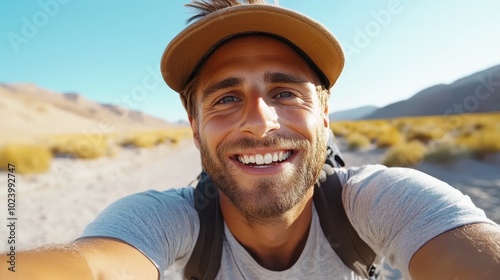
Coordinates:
326 118
194 129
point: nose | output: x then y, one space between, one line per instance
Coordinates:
259 118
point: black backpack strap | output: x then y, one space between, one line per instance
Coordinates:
205 260
333 156
343 238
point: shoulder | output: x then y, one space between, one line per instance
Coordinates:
180 197
379 178
150 208
397 210
161 225
378 189
377 172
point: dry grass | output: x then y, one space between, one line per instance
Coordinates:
26 158
357 141
424 134
30 158
83 146
92 146
405 155
467 134
480 144
445 152
148 139
339 128
389 138
144 140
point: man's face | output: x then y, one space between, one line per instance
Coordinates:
259 125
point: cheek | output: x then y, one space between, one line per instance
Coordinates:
305 121
214 129
314 124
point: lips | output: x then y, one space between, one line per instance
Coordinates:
264 159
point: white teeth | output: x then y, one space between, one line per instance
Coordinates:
259 159
268 158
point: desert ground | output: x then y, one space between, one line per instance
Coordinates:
55 207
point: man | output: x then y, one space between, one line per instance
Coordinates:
255 81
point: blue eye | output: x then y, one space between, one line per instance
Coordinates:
227 99
285 94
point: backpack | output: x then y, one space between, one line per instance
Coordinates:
205 259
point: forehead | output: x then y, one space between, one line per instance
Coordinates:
256 51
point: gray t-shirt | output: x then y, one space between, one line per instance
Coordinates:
394 210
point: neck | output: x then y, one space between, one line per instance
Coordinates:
277 244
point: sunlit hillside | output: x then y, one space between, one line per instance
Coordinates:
41 125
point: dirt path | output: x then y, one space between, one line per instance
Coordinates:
55 207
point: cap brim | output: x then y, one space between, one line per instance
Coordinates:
188 48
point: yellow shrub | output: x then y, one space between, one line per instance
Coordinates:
26 158
146 140
405 155
84 146
372 129
477 134
424 134
175 135
357 141
339 129
445 152
374 132
389 138
480 144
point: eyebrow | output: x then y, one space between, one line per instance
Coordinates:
280 77
269 77
226 83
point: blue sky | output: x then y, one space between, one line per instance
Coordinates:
109 51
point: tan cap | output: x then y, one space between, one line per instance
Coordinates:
185 52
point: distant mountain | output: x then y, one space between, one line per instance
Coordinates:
352 114
479 92
30 111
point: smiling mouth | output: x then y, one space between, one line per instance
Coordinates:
262 160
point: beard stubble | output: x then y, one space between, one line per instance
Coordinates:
267 199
